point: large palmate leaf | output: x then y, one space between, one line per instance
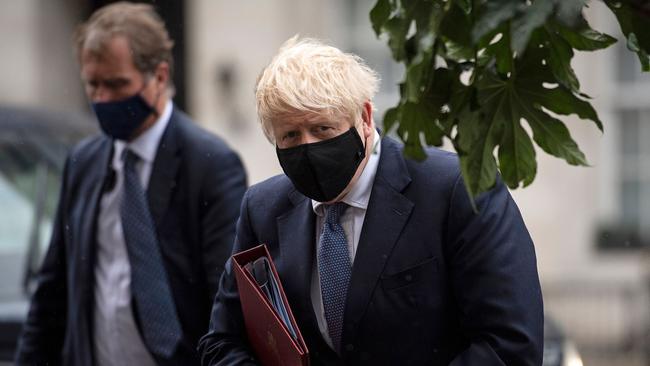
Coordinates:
495 78
634 19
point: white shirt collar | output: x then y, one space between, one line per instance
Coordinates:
359 195
146 145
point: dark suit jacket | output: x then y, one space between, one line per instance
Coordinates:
432 283
194 194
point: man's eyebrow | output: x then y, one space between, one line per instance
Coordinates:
116 81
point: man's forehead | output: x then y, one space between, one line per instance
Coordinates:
307 117
113 50
112 61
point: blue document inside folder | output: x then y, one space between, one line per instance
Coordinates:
260 269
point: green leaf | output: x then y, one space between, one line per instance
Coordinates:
586 39
439 89
633 45
418 71
414 150
503 105
465 5
379 15
553 136
486 120
391 117
569 12
456 26
422 13
516 154
436 15
633 20
501 52
414 87
456 52
633 42
397 27
561 101
461 100
479 132
419 118
529 96
492 14
560 55
476 142
644 58
533 17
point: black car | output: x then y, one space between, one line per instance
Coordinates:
33 146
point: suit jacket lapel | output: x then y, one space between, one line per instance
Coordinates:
97 179
163 173
388 211
296 237
296 233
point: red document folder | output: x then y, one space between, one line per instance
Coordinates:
271 339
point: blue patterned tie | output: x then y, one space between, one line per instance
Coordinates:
334 268
161 329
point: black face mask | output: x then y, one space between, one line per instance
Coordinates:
322 170
120 119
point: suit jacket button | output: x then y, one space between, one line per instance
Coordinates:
408 278
349 347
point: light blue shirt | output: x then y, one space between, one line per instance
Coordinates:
117 340
352 223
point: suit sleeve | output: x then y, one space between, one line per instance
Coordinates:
226 342
493 273
41 341
223 189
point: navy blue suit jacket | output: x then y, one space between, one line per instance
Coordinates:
433 282
194 194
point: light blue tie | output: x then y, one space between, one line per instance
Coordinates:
334 268
161 329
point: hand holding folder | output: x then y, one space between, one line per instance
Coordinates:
270 325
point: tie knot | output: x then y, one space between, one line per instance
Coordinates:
334 212
130 158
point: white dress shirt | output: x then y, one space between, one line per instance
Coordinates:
117 340
351 221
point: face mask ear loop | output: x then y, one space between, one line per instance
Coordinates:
364 140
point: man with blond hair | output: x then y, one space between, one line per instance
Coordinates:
146 216
383 259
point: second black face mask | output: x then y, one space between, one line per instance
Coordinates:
120 119
321 170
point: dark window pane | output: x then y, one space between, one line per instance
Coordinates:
630 197
630 129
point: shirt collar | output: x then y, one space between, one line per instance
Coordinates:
146 145
359 195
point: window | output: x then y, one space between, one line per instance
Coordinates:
631 229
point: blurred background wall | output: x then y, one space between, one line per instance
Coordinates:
591 226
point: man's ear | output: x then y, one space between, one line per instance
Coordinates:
162 74
366 116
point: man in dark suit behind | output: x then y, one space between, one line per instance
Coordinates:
146 217
383 259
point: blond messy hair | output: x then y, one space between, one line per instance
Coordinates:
311 77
